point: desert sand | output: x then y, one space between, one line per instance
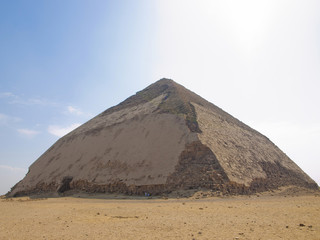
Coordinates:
285 214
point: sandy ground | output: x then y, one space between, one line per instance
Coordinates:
276 216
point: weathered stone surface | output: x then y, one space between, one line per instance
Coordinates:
162 139
197 167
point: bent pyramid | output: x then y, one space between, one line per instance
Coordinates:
161 139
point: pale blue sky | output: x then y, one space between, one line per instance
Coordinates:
63 62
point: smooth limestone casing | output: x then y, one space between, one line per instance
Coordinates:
120 145
239 150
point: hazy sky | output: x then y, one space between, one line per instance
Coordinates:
63 62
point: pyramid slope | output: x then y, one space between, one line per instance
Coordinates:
163 138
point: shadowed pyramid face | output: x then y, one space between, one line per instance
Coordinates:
161 139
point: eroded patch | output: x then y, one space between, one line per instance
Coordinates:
197 167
